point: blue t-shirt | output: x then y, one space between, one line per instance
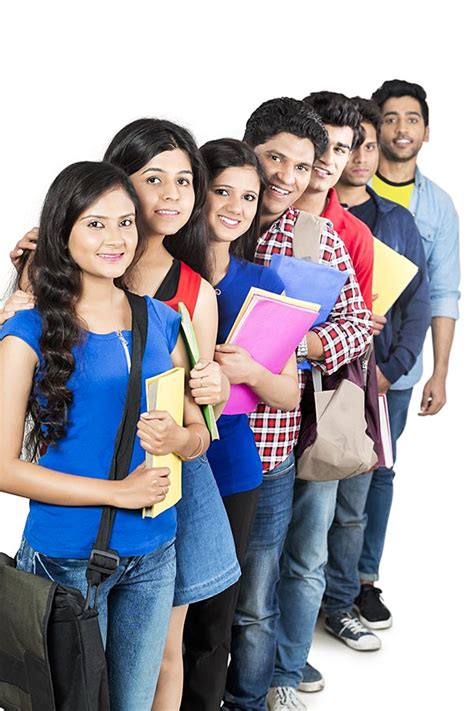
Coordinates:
234 458
99 386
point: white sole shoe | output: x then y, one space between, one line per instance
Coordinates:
309 687
378 625
366 643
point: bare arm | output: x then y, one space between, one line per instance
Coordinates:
160 434
18 301
278 391
434 392
17 366
25 244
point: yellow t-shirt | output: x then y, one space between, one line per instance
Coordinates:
397 192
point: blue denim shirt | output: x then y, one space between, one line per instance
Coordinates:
438 223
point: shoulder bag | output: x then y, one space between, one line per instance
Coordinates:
335 441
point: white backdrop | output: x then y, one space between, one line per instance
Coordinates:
73 74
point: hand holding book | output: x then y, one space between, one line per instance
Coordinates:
164 391
159 433
146 486
269 328
237 364
205 382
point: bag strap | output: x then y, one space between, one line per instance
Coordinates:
307 237
318 386
364 361
103 561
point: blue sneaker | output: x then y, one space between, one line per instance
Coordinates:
349 629
312 680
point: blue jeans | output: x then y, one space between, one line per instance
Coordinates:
134 607
379 500
302 580
345 541
254 629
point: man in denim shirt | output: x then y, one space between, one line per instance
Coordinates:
405 120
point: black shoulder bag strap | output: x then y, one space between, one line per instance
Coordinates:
103 562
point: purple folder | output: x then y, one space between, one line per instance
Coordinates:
269 327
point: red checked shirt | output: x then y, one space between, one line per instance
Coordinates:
344 336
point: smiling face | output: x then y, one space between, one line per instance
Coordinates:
403 129
104 237
165 189
327 169
232 203
363 161
287 161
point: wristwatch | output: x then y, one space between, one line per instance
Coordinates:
302 350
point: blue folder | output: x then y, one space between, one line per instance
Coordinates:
317 283
306 280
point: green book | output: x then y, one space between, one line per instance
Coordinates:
193 354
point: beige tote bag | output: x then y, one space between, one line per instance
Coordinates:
342 448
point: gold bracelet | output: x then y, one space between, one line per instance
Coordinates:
197 452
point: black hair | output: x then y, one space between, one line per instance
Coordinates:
225 153
336 110
370 113
399 87
285 115
55 280
134 146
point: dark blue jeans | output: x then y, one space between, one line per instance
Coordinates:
254 630
379 499
345 541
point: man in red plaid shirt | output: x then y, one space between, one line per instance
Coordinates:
287 137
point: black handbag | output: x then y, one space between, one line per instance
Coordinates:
51 652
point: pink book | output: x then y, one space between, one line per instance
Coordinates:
269 326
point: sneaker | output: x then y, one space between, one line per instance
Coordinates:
350 630
284 698
312 679
372 611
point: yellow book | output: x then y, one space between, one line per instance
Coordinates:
166 392
392 274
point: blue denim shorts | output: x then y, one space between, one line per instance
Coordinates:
206 562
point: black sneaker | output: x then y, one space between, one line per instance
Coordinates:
372 611
350 630
312 679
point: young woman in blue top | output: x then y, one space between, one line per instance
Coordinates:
65 366
236 180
